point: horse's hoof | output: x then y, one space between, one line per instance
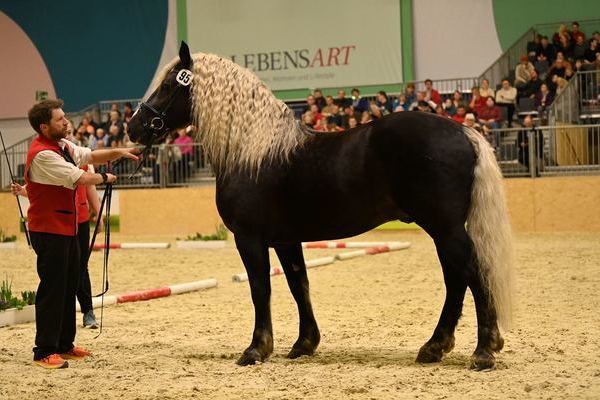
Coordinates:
482 361
300 351
250 357
432 352
429 353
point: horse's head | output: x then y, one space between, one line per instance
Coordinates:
169 106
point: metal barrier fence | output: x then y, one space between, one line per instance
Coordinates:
549 150
165 166
579 101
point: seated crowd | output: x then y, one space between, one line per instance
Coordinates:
541 75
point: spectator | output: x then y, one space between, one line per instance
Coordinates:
546 50
360 104
308 119
562 32
576 34
579 48
507 97
419 99
352 122
365 117
332 125
410 93
565 46
376 111
424 106
321 125
470 122
590 53
485 90
461 112
449 107
477 101
490 114
115 120
432 95
532 87
523 143
310 100
319 99
402 103
185 144
314 109
115 138
384 103
543 99
523 72
127 112
457 99
335 116
346 115
439 110
328 109
99 140
90 118
532 47
342 101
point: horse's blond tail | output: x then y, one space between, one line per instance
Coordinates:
489 229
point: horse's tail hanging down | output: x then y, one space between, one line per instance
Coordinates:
489 228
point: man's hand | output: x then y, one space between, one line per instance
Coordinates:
131 153
110 178
18 190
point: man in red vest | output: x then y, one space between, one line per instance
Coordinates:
52 174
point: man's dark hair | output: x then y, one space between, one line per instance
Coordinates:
355 90
41 113
575 23
428 80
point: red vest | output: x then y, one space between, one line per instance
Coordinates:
51 208
83 209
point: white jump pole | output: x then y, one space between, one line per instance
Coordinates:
317 262
100 246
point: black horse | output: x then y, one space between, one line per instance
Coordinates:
279 184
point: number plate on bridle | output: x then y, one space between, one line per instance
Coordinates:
184 77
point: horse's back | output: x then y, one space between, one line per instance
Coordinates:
339 185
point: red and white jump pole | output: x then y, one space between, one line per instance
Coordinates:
100 246
156 293
317 262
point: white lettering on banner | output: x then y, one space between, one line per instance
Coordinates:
291 46
184 77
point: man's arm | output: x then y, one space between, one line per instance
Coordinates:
105 155
88 178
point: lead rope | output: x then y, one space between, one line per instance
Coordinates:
107 200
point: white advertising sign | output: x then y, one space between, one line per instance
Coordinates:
302 44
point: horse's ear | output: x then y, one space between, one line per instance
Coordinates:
184 55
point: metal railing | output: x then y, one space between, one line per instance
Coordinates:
549 150
578 101
104 107
169 165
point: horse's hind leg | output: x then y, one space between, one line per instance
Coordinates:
292 262
454 253
255 255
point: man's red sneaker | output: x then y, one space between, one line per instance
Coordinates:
76 353
53 361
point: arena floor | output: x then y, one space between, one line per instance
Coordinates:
374 314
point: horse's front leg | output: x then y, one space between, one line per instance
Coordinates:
255 255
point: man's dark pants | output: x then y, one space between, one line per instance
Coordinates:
58 270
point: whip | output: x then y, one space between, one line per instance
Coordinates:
12 179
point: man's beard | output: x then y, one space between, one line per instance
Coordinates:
57 135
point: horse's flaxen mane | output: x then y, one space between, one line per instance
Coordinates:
241 123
